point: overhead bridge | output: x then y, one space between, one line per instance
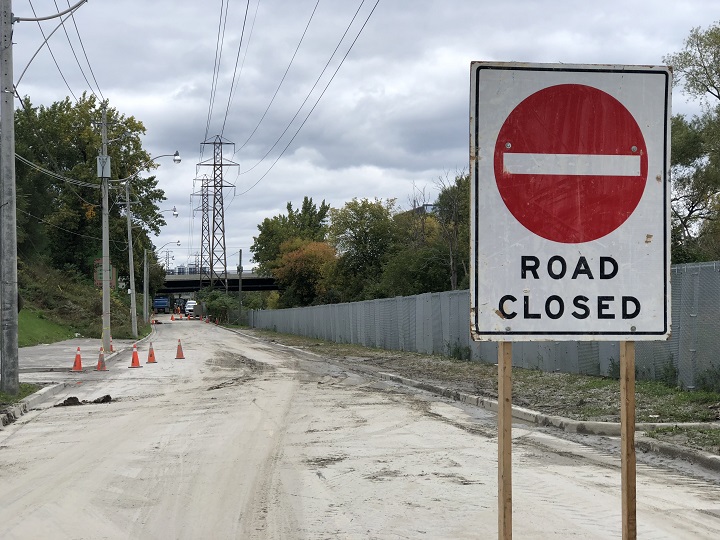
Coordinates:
180 283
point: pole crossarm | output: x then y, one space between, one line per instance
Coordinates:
55 16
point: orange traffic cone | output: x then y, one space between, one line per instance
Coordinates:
101 361
181 316
172 317
77 366
151 356
207 319
179 355
135 358
112 347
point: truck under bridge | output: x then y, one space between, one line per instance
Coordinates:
180 283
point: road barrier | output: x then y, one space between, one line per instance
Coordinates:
77 365
135 363
101 361
151 355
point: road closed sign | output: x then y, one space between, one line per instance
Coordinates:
570 228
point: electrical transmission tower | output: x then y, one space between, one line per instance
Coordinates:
213 256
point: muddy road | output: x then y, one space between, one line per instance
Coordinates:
247 439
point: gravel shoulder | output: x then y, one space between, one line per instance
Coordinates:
578 397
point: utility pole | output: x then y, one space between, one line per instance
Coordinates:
131 261
104 174
9 371
240 272
146 287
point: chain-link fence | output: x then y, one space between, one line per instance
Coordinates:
439 323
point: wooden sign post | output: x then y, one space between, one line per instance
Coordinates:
627 439
504 440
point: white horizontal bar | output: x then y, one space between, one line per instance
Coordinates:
572 164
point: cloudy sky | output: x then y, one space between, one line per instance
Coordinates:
394 117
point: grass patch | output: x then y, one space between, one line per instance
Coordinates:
71 301
706 439
34 329
26 389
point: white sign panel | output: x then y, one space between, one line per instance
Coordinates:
570 192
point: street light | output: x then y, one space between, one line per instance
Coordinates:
131 263
146 282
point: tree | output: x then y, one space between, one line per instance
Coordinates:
695 165
59 214
308 223
696 184
698 64
452 209
363 233
302 272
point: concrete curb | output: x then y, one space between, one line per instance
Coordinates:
31 402
643 443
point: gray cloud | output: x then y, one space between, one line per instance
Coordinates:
395 115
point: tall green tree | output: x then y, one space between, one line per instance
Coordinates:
309 223
452 210
59 212
695 157
363 233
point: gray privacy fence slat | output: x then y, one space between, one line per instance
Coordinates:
438 323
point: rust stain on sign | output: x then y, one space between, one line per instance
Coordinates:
648 238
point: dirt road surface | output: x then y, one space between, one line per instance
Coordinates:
246 439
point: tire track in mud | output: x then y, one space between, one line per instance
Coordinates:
268 514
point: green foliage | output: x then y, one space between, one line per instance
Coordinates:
302 271
458 352
695 165
219 304
308 223
452 209
614 369
707 439
61 221
69 299
34 329
669 374
378 252
25 390
698 64
709 380
363 233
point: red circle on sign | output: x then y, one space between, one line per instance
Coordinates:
571 163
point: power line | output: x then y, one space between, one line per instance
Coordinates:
219 43
56 175
316 102
41 220
347 29
237 59
51 53
82 46
283 77
247 48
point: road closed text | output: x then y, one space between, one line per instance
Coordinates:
533 270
